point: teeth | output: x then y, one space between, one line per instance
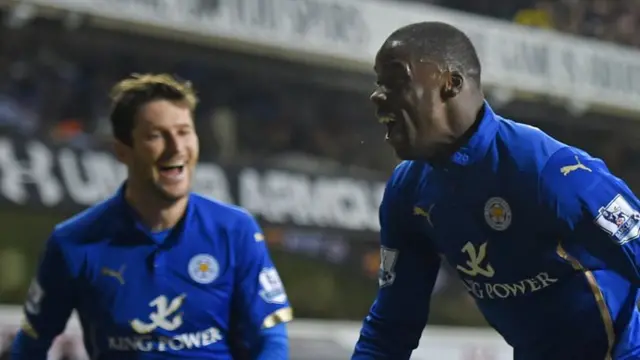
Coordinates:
386 119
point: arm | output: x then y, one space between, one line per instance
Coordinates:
261 303
273 343
48 306
408 271
593 210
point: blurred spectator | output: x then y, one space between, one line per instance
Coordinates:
6 338
540 15
608 20
57 88
224 126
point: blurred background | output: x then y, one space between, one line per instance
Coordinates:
287 130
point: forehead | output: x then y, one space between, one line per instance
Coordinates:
395 57
392 53
164 114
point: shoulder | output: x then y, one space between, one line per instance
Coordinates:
555 167
525 147
69 238
87 224
221 214
402 188
570 170
237 228
407 176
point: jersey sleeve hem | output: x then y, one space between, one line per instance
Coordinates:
279 316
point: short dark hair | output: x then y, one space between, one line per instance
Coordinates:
135 91
443 44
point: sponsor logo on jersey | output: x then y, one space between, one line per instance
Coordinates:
166 316
476 265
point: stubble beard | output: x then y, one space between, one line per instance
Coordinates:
165 196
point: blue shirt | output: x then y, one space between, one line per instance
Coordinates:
541 234
142 295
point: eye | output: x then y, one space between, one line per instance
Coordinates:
185 131
154 136
391 84
396 75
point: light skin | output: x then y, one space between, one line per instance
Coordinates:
161 162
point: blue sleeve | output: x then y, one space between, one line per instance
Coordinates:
260 300
595 212
273 343
48 306
408 271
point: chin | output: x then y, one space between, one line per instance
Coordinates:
174 192
403 156
405 153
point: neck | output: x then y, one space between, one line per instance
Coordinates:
468 125
467 119
156 213
466 116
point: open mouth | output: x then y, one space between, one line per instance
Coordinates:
171 171
390 122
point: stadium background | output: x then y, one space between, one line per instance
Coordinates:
286 128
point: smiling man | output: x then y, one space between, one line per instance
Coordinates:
157 272
542 235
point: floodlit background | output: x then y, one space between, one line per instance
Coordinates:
286 128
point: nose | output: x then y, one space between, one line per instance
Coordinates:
174 144
378 96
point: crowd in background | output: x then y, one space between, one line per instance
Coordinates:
54 82
609 20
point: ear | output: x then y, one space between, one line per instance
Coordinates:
121 150
452 84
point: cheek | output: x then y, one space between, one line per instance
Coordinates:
431 104
194 150
423 100
418 92
146 156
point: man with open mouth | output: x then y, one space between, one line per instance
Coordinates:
542 235
156 271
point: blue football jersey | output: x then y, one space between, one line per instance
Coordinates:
141 295
541 234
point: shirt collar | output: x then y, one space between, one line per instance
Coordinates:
132 219
477 146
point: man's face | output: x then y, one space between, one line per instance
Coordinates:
409 102
164 152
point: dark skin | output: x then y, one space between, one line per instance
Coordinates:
430 111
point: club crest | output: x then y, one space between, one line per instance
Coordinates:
497 214
203 268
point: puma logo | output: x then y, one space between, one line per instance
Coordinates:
427 214
566 170
114 274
